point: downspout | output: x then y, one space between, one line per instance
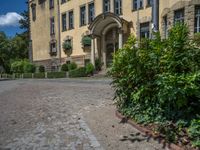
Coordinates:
59 33
155 16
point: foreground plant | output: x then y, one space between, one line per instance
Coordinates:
159 82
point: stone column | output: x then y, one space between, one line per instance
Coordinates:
104 50
120 38
93 51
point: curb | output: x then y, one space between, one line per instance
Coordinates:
149 133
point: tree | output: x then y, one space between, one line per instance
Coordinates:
5 51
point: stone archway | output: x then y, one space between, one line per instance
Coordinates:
107 32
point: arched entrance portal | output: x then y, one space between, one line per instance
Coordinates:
108 32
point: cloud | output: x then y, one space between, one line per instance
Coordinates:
10 19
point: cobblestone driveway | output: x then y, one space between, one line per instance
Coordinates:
64 114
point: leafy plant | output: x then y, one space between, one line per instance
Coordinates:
86 41
79 72
90 69
72 66
194 132
41 68
98 64
159 81
64 67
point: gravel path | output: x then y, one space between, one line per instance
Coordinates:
64 114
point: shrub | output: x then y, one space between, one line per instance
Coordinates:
90 69
28 67
72 66
80 72
39 75
64 67
86 41
194 132
98 64
22 66
17 67
158 82
56 75
197 38
27 75
41 68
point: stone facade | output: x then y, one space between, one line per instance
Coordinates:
108 31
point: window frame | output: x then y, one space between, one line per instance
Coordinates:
64 22
106 5
147 26
165 26
83 16
181 19
91 17
51 4
33 11
71 19
197 19
52 26
118 7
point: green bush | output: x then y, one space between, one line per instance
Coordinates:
27 75
72 66
80 72
17 75
158 82
41 69
194 132
17 67
90 69
39 75
197 38
56 75
64 68
22 66
28 67
98 64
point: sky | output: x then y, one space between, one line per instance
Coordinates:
10 15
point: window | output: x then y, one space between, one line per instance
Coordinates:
197 20
41 1
53 47
144 30
33 8
179 16
63 1
106 6
52 26
165 26
51 4
137 4
82 16
71 20
64 23
118 7
149 2
91 12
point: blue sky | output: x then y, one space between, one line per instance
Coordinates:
10 14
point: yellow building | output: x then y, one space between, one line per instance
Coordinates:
82 31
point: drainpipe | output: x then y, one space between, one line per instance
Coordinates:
155 16
59 33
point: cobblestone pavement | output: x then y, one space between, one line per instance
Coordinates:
64 114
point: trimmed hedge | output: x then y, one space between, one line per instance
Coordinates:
39 75
56 75
17 75
80 72
27 75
